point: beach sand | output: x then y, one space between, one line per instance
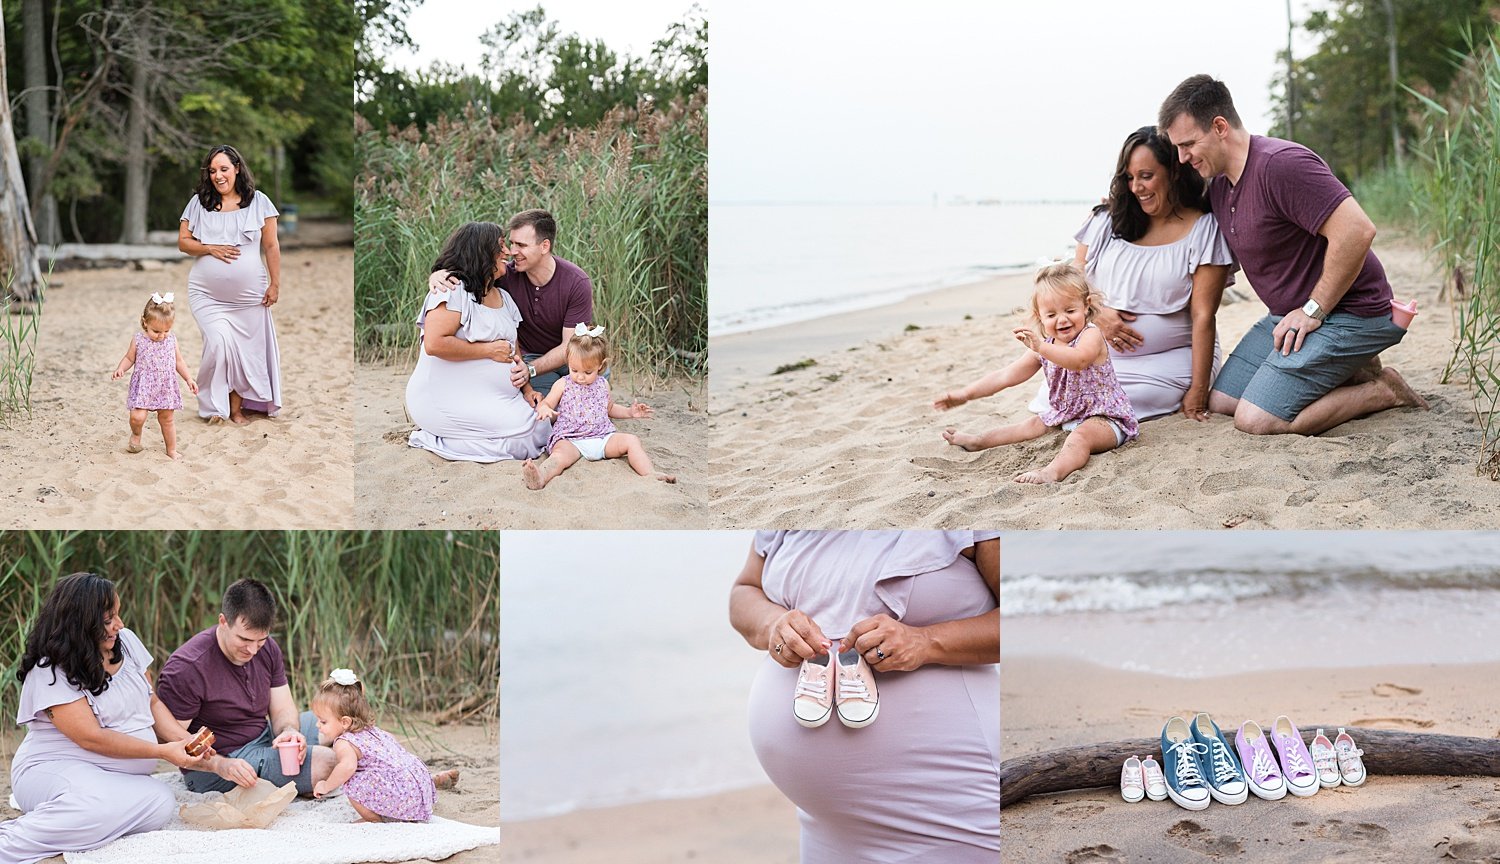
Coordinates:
403 487
66 466
1051 703
749 826
473 749
852 440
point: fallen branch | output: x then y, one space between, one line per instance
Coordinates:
1386 752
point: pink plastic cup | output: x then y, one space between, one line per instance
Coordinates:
1402 313
287 750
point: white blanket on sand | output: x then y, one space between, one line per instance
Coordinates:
309 832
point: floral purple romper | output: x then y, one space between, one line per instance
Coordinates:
1073 397
153 380
389 781
583 418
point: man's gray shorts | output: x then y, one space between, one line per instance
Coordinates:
263 760
1257 373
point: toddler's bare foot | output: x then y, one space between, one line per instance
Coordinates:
667 478
173 454
445 779
1403 392
1039 476
531 476
135 444
962 439
239 419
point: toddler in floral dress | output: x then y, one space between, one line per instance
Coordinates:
1083 395
581 408
154 353
382 780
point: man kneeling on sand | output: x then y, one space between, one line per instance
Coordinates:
1304 242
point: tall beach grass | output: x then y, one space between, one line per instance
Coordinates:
416 614
20 322
630 195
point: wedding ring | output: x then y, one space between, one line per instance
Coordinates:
879 654
778 647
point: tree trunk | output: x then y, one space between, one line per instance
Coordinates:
1386 752
18 265
1397 146
1291 80
38 119
133 230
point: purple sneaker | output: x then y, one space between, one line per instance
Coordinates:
1261 771
1296 762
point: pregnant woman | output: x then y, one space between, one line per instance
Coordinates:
82 776
1161 264
460 395
921 781
231 291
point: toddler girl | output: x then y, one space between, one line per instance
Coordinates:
580 408
154 354
381 779
1083 396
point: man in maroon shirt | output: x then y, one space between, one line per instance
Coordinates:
553 294
232 679
1304 244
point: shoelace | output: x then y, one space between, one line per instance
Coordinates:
1350 755
1153 772
1263 767
1132 779
851 686
1218 754
1291 755
1186 770
1325 760
816 688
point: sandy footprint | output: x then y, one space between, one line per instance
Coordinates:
1361 832
1394 690
1102 852
1395 723
1191 835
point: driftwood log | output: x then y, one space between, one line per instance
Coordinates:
1386 752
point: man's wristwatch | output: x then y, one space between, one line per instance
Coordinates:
1313 310
530 371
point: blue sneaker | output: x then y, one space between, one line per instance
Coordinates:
1221 767
1181 757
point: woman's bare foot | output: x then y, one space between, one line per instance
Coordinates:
135 444
531 475
1040 476
667 478
1401 390
962 439
216 420
445 779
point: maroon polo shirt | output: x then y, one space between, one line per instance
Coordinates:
200 684
567 299
1271 220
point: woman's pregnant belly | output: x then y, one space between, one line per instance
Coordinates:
241 282
1161 333
466 399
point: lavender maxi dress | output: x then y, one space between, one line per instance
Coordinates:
921 783
73 799
239 337
468 410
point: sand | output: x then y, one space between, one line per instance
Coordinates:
852 441
473 749
66 466
401 487
1051 703
750 826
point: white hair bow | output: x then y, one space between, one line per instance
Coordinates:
345 677
582 329
162 298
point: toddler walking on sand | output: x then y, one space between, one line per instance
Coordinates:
1083 395
154 353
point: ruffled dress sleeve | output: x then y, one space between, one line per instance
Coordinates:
1206 245
40 691
1095 234
456 299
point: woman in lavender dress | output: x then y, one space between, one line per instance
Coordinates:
82 776
460 395
228 225
922 608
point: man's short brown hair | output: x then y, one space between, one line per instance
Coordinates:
540 221
1203 99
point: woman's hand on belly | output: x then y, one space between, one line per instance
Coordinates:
227 254
794 637
888 645
1117 333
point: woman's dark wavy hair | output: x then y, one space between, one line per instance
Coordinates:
1187 189
469 254
68 631
244 182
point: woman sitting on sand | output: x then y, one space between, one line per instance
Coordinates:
920 608
1160 262
82 776
227 226
460 395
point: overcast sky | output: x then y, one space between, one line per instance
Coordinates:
844 101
